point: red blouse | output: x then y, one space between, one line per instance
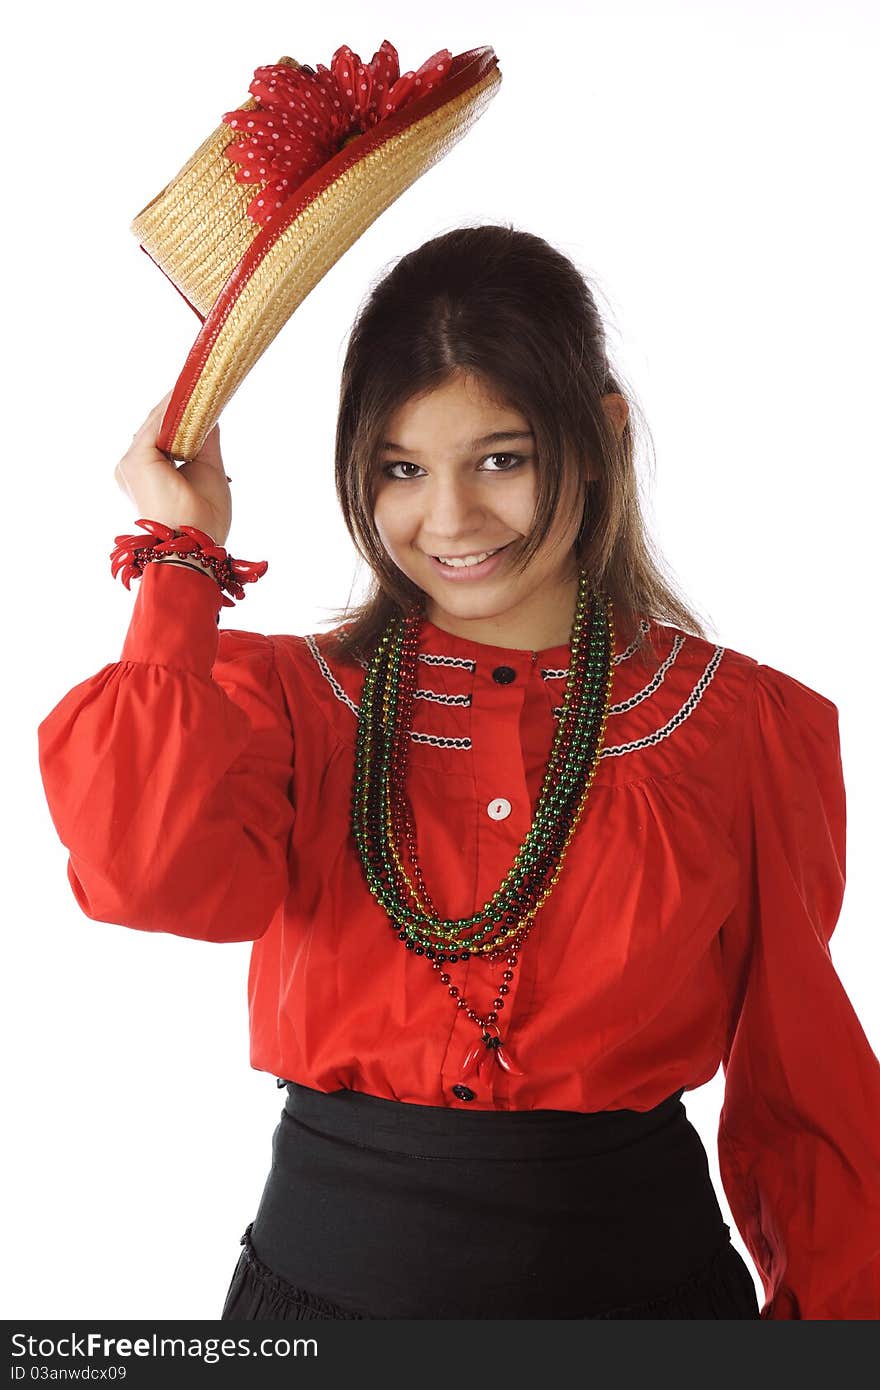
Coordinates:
202 786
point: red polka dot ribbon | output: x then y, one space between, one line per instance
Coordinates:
304 117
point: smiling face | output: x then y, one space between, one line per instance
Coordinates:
458 477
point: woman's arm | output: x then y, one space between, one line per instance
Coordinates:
799 1132
168 772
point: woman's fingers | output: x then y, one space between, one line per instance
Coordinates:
195 493
157 411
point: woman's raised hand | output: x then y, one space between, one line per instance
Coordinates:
190 494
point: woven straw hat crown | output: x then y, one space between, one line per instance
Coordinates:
244 245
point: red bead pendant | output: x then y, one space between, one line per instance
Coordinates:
481 1054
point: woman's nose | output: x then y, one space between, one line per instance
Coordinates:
449 507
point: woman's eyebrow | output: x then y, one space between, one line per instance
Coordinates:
497 438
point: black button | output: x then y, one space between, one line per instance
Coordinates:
463 1092
504 675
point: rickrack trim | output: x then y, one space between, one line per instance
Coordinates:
443 699
686 710
654 684
549 673
647 690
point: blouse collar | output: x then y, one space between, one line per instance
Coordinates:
436 640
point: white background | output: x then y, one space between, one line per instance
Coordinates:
711 169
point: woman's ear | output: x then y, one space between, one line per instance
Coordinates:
617 409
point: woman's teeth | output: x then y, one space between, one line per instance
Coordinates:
469 559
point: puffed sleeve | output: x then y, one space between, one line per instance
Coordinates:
799 1131
168 772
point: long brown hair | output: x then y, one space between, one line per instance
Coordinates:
506 307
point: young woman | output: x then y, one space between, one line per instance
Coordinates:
523 855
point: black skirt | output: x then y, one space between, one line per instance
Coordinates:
376 1208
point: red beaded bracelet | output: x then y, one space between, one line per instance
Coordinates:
130 556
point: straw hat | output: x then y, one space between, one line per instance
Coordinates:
281 189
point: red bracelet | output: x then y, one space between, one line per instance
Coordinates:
130 556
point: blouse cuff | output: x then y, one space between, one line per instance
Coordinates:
174 620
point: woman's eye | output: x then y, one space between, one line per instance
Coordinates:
389 466
515 461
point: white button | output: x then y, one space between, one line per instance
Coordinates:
499 809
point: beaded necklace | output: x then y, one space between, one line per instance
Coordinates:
382 819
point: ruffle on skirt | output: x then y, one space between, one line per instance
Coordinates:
723 1288
257 1293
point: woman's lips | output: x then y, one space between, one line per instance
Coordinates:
464 572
